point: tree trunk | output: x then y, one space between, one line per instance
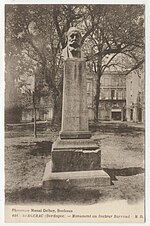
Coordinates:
35 134
34 110
97 100
57 111
97 95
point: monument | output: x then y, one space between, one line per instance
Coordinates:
75 157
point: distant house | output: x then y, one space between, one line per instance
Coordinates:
112 96
121 96
135 96
44 110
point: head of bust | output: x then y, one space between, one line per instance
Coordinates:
74 42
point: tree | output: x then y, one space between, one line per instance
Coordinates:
117 30
40 34
37 33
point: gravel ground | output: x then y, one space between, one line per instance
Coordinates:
26 157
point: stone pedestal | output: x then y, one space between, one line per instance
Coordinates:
75 154
76 159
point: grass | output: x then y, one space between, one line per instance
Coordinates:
26 157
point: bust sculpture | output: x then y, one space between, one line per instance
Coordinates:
73 48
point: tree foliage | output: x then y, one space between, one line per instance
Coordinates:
117 35
35 36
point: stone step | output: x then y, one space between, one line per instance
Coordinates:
77 179
75 134
85 144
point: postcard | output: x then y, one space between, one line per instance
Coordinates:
74 113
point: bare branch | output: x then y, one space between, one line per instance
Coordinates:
135 66
106 65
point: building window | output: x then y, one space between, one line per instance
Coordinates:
107 94
114 82
106 82
131 114
119 95
113 94
124 94
120 81
116 95
123 81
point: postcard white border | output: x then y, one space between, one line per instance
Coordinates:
147 99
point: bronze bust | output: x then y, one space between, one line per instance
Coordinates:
73 48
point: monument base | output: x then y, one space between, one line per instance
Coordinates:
75 155
74 179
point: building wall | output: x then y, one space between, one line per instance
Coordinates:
121 98
44 110
112 110
90 95
42 114
28 115
135 96
112 96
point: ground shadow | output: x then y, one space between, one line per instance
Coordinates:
130 171
26 129
69 196
42 148
39 195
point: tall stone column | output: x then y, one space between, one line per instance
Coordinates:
74 109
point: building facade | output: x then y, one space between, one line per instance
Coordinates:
90 95
135 96
44 110
121 99
112 96
121 96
